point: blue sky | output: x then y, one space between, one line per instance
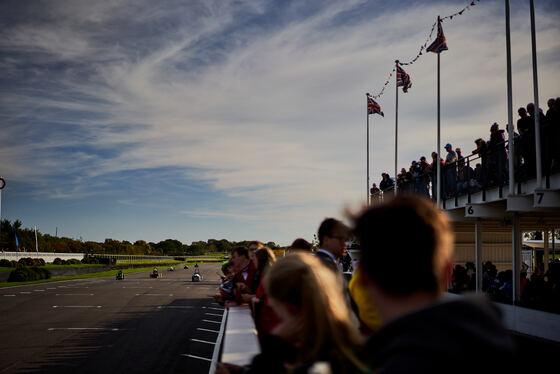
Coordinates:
238 119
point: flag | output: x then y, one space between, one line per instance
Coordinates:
403 79
373 107
439 44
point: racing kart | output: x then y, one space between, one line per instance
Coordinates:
120 275
155 274
171 269
196 276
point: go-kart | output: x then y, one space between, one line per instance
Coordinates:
155 274
186 267
196 276
120 275
171 269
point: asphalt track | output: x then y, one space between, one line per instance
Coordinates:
101 325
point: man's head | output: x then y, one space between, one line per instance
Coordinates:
550 103
240 257
422 263
333 235
448 147
495 127
531 108
522 112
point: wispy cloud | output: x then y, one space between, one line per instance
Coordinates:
260 103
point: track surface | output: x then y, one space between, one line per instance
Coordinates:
101 325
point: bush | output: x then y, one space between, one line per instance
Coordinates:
73 261
25 274
59 261
5 263
90 260
28 261
180 258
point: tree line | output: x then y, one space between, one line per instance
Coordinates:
168 247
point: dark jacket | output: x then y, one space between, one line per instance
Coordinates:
459 336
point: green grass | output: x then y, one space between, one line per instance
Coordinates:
147 262
51 266
108 273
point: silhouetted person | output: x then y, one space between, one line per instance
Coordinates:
497 157
422 332
450 171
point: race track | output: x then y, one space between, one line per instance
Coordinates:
101 325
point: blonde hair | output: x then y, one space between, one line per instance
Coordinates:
301 280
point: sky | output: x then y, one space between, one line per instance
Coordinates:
190 120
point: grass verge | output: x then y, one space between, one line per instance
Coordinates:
107 273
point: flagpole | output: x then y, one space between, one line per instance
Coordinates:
438 163
509 103
396 122
367 153
36 244
536 99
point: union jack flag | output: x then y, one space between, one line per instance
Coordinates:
439 44
403 79
373 107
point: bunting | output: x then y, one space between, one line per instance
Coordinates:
403 79
439 44
424 46
373 107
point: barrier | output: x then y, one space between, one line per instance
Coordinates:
240 343
47 256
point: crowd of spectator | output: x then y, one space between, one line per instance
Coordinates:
311 319
539 290
488 164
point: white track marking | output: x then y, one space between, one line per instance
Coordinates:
77 306
207 320
74 294
25 293
197 357
9 295
201 329
154 294
174 307
213 314
202 341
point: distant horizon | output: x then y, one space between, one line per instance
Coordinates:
204 119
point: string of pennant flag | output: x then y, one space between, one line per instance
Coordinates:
438 47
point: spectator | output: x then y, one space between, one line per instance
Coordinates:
497 157
434 175
482 151
424 177
332 235
301 244
543 125
386 182
265 317
375 193
422 332
245 280
526 128
450 171
553 118
464 177
253 246
314 326
226 289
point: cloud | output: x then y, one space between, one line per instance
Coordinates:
261 104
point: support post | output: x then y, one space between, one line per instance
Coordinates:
396 123
536 115
516 258
478 254
438 179
509 104
546 238
368 201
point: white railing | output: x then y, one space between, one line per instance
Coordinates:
47 256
